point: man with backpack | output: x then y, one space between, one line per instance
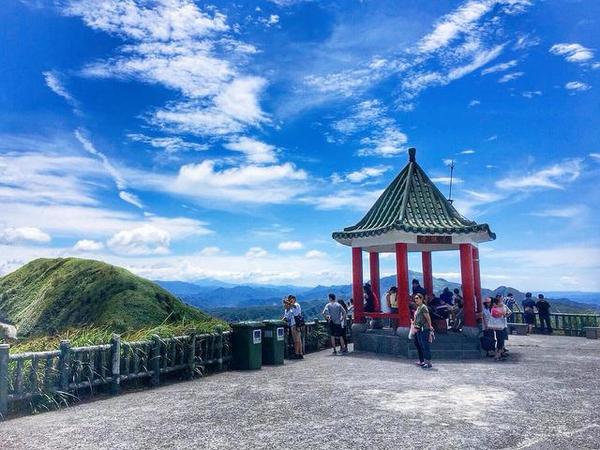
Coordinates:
335 315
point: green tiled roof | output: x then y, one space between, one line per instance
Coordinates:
412 203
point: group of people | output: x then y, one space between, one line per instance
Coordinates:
426 311
336 313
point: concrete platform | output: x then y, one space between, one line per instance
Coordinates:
545 397
446 346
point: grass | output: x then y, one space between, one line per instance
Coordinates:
94 335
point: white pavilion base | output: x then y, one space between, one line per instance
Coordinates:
446 346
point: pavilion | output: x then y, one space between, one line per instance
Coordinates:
412 215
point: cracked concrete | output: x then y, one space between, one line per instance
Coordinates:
545 396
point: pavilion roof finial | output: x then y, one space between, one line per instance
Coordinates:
412 152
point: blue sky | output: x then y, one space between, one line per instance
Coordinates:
186 140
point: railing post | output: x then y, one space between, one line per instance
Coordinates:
155 380
64 362
192 355
221 345
115 358
4 349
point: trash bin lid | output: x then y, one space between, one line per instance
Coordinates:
247 324
275 322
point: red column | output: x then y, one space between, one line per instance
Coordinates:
357 285
477 279
374 274
468 287
427 272
402 279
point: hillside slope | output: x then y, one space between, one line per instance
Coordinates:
49 295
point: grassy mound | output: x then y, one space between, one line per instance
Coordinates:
78 297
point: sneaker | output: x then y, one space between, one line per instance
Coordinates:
419 363
426 366
345 351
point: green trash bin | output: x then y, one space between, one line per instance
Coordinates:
247 345
273 345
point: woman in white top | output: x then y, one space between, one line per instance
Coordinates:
293 316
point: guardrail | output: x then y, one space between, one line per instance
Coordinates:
567 323
63 373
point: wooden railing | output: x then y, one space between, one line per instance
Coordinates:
569 324
65 372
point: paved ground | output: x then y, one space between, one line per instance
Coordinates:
547 396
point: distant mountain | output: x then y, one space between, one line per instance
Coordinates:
47 296
262 296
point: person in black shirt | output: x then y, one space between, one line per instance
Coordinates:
543 308
418 289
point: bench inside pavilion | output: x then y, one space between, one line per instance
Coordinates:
412 215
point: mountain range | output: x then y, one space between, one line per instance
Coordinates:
226 295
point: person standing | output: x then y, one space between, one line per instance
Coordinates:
543 308
335 315
293 316
417 288
369 298
510 303
424 330
488 340
458 314
497 322
529 311
344 323
391 300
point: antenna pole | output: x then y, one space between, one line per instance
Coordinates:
451 178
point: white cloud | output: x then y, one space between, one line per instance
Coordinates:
575 53
553 177
177 44
256 252
467 152
446 180
595 156
131 198
365 173
501 67
211 180
55 83
23 234
144 240
255 151
577 86
384 137
169 144
27 177
90 148
357 199
510 76
474 103
451 26
315 254
290 245
87 245
567 212
210 251
531 94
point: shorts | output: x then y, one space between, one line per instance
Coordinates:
336 330
529 318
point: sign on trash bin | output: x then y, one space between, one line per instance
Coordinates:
256 337
280 333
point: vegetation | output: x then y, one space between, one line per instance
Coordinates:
86 301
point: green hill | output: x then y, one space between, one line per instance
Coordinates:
48 296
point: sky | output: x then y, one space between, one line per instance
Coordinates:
187 140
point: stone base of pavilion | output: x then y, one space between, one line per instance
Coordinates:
445 346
